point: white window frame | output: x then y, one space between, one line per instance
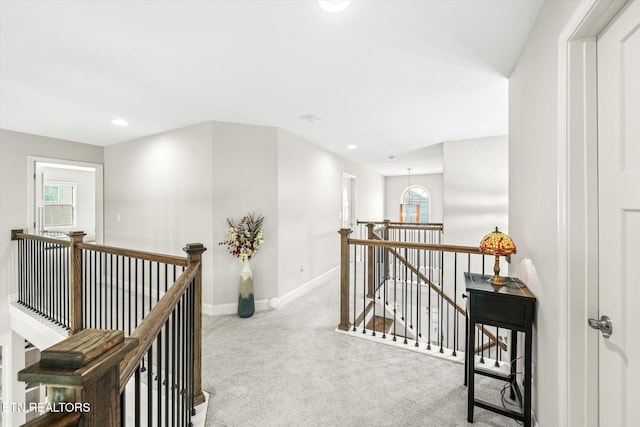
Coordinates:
74 204
402 202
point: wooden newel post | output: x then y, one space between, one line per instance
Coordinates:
344 279
194 254
82 375
75 282
370 262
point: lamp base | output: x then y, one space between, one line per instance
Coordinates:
497 280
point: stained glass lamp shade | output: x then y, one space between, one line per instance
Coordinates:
497 243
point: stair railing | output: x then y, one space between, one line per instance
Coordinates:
418 286
155 300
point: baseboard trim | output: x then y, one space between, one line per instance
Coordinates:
263 305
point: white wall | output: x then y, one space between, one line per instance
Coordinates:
309 207
158 194
533 176
476 189
396 185
244 177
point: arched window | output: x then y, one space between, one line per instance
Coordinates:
415 204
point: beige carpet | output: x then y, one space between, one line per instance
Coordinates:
290 368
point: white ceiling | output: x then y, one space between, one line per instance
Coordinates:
393 77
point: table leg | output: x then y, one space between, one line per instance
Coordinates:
470 369
513 364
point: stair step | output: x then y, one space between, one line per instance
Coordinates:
380 324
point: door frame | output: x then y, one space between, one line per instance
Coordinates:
99 168
577 213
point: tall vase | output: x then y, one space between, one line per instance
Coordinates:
246 304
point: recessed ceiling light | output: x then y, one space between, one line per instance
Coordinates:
120 122
311 118
333 6
352 147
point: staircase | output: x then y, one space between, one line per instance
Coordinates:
401 286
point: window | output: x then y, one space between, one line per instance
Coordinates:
58 204
417 200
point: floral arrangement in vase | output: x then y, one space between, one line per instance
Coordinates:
245 238
244 241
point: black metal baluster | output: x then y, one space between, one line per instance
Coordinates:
135 319
355 298
95 301
109 287
455 303
117 277
441 299
158 377
373 297
150 386
150 285
123 409
100 287
385 302
165 382
395 294
497 364
430 311
418 292
364 291
137 397
143 286
173 365
404 301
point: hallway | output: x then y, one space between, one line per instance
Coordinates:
290 368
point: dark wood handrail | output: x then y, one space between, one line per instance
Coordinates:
419 225
148 329
411 245
19 234
143 255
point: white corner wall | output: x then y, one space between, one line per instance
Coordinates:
179 187
244 169
309 208
396 185
476 189
533 207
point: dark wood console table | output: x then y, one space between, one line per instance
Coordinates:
511 306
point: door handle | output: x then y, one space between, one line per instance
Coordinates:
603 325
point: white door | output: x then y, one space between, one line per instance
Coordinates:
348 201
618 49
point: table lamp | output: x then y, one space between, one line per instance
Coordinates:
497 243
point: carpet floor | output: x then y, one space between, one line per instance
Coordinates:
289 367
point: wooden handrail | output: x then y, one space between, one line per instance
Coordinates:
20 234
411 245
143 255
132 253
418 225
148 329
